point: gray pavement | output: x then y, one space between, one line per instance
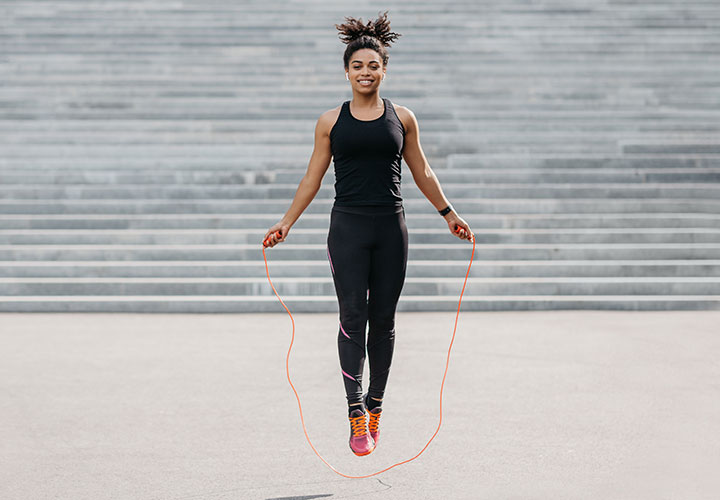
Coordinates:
538 405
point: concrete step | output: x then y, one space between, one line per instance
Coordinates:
265 73
171 163
288 287
285 192
492 122
149 150
317 268
548 175
504 159
263 221
293 251
599 163
125 178
463 206
328 303
626 62
319 236
299 154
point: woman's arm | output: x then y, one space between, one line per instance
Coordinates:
425 177
310 183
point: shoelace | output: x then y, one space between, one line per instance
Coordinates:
358 426
374 421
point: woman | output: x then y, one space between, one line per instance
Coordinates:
367 243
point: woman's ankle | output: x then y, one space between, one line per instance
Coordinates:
373 403
354 406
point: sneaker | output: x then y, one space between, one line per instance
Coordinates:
374 421
360 441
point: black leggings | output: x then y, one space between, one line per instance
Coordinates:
368 252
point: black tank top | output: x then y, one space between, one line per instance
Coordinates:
367 156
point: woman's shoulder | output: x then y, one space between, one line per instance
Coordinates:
327 119
406 116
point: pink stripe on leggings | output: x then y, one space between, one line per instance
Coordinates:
343 330
330 259
348 375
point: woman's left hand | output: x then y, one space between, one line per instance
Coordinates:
459 227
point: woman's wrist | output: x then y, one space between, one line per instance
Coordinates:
451 216
445 211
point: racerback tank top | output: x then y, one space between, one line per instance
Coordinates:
367 155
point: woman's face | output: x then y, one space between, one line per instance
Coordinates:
365 64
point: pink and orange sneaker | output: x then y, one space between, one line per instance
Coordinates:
360 441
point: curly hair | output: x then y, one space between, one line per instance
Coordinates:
375 35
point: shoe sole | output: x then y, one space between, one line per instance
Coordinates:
362 454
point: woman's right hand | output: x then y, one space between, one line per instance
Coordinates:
459 227
271 239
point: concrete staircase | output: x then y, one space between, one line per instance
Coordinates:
145 149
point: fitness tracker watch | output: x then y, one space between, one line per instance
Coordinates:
445 210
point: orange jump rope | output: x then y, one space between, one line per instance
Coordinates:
287 366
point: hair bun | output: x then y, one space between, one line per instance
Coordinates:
380 29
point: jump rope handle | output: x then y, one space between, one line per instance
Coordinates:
458 229
267 241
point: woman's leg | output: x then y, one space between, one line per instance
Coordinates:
388 264
348 247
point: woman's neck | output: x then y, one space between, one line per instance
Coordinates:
367 102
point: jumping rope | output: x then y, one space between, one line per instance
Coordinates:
287 367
